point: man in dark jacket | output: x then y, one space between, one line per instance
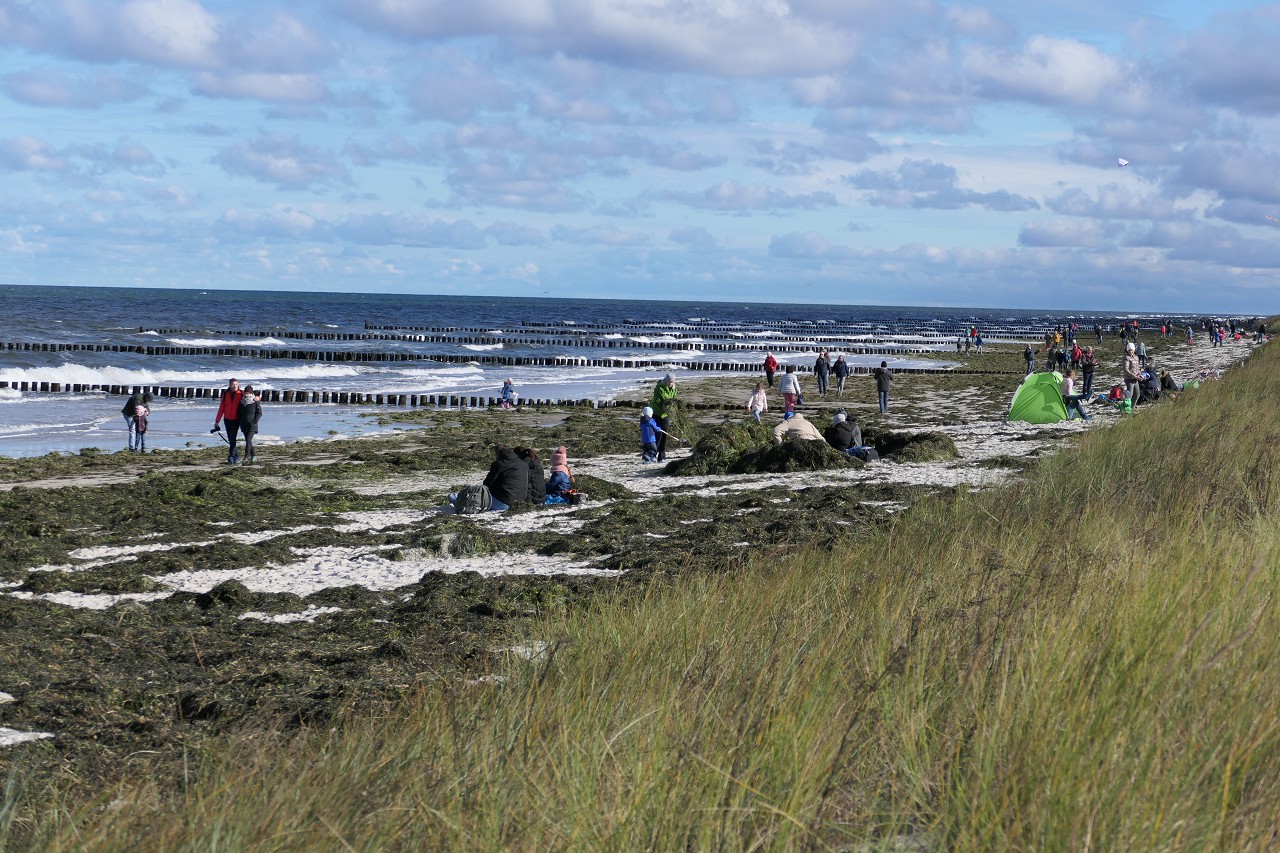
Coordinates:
883 377
537 477
843 433
130 412
508 478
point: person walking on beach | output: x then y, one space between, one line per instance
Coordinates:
789 387
509 395
664 398
883 377
1142 353
1132 370
248 413
770 367
228 411
130 412
758 403
840 370
822 372
1030 357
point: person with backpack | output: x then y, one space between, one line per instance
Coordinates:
883 376
228 411
248 413
508 479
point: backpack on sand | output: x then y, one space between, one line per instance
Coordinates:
473 499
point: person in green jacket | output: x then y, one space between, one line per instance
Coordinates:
664 396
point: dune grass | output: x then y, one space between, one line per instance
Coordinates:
1083 660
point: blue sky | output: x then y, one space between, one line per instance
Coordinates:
845 151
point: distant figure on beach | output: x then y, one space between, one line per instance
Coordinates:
822 372
789 387
130 412
537 477
649 434
247 416
758 402
770 367
883 377
1087 365
664 399
1029 356
795 427
1131 370
1142 353
509 395
228 411
561 475
840 370
143 423
843 433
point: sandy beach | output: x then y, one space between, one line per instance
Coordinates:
336 569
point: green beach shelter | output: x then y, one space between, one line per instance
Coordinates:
1038 400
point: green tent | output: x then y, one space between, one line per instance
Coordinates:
1038 400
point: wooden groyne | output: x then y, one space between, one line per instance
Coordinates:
359 398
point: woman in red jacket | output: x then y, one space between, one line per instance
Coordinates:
228 412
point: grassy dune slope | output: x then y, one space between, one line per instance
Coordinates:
1084 660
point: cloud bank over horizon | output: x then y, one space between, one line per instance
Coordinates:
843 151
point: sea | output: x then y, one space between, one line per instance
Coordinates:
64 349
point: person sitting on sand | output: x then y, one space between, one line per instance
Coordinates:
758 402
1167 382
561 477
795 427
843 433
508 478
1071 398
537 478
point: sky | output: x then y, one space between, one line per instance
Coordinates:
914 152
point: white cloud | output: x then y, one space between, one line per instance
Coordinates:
273 88
1047 70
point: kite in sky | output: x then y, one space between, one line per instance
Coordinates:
1120 161
1272 218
